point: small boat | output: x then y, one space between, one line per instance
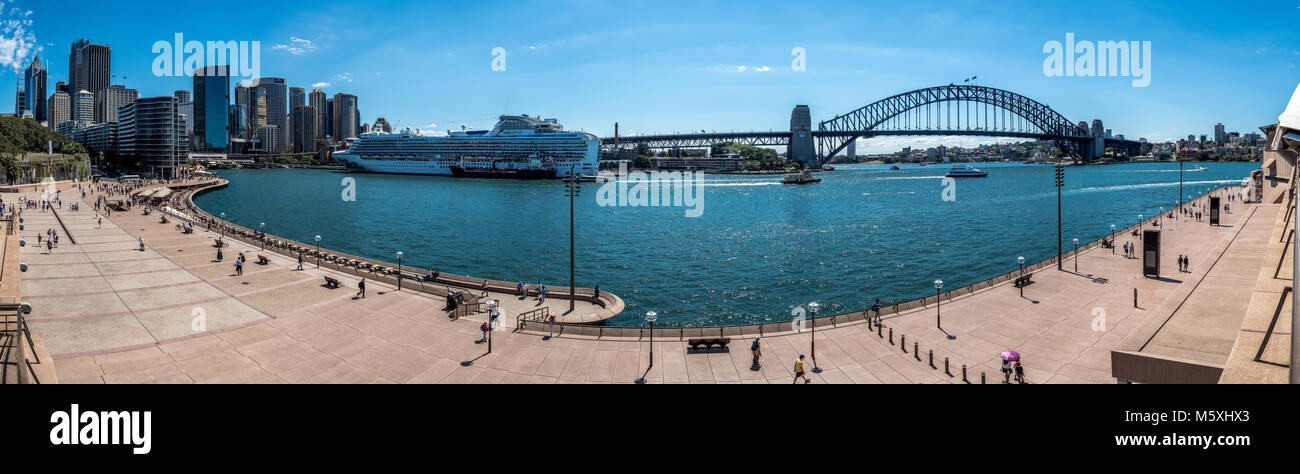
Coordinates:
801 178
965 171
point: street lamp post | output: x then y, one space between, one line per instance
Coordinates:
317 250
399 270
1160 220
1112 239
812 308
262 229
1140 219
938 310
650 317
1021 261
1076 255
223 226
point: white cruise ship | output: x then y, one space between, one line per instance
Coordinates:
519 146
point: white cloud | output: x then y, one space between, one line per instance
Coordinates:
345 77
320 85
1261 51
763 69
16 41
296 46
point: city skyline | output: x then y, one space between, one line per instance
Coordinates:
716 69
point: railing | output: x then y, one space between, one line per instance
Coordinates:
1272 324
13 331
542 315
464 310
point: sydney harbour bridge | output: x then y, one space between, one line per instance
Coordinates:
952 110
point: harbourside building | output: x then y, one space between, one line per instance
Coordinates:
151 129
244 104
101 137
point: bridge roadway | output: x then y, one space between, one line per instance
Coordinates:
110 315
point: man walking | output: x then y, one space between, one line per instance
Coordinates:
361 289
798 371
757 352
299 261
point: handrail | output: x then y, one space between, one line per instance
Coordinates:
14 346
540 314
1269 333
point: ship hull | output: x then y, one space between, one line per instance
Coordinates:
463 172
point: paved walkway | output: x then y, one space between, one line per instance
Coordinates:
130 322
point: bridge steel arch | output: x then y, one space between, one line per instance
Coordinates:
835 134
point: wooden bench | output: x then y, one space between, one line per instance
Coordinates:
331 282
1024 280
262 260
708 343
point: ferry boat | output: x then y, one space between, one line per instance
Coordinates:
518 147
965 171
802 178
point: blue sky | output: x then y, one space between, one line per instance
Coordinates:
666 66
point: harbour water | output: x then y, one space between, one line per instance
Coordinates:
758 250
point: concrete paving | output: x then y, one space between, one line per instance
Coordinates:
110 314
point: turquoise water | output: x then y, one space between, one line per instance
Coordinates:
759 249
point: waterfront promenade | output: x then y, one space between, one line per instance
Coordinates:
109 313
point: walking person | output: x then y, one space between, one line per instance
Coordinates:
876 309
550 327
1006 371
798 371
757 352
239 267
219 256
361 289
485 328
1020 373
299 261
141 242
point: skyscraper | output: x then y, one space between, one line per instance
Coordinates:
20 100
60 108
1219 135
304 129
244 102
89 66
83 106
273 109
211 109
345 117
110 99
317 101
34 90
183 95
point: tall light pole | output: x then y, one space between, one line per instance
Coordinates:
812 308
1076 255
571 189
223 226
317 250
1112 239
1160 219
650 317
938 314
262 228
399 270
1021 261
1140 219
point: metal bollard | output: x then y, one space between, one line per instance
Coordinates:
904 343
982 378
945 367
932 359
891 336
1135 297
916 350
880 331
963 374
